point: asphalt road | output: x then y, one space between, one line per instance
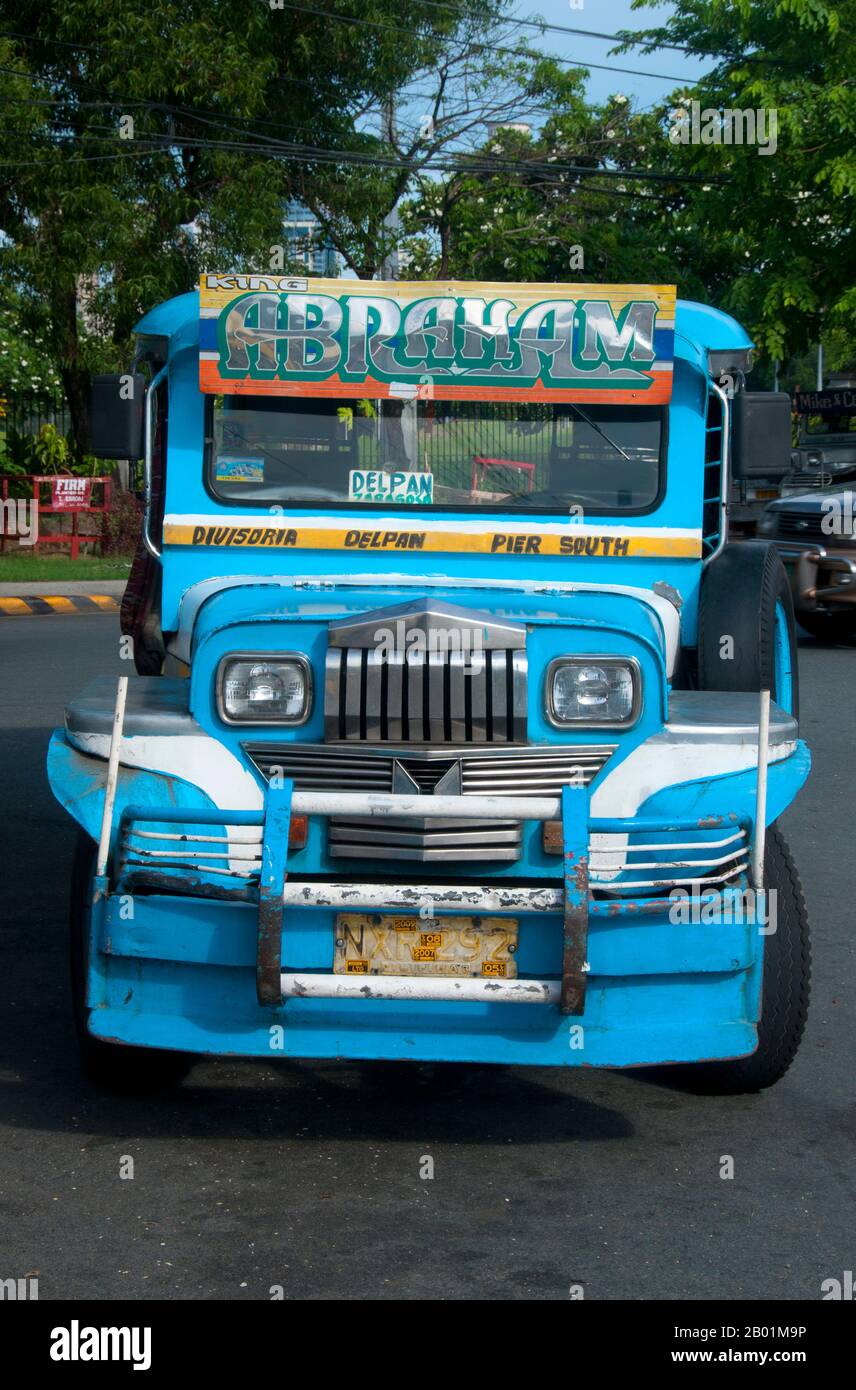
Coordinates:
307 1175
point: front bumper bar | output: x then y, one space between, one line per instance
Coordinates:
275 895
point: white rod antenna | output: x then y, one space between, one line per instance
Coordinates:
761 791
112 776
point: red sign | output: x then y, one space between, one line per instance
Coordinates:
70 494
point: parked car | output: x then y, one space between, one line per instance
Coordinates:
814 534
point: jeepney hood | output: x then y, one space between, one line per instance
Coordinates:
215 603
291 615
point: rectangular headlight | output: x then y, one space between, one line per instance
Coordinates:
264 689
593 690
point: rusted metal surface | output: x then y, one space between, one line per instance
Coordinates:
271 884
426 899
576 872
184 885
420 987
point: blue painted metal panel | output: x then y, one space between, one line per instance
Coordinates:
179 971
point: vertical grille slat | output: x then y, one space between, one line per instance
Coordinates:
478 697
353 693
458 730
435 691
499 702
374 696
395 708
415 690
436 698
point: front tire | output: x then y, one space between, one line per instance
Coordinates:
784 992
115 1067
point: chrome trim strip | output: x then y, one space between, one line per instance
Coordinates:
304 986
703 716
147 464
425 615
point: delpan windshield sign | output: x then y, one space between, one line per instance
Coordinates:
276 335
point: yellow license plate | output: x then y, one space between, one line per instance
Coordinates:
371 943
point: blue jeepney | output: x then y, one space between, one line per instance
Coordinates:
459 729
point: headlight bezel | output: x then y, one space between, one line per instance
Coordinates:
631 663
265 658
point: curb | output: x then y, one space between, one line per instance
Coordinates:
14 606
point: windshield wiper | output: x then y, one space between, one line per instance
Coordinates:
603 434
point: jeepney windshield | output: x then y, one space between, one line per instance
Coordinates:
434 454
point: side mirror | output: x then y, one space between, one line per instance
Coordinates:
761 434
116 413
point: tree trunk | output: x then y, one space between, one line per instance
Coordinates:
445 246
75 382
74 376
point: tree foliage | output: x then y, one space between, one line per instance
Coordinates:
776 244
140 143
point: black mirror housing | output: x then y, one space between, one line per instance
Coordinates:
761 434
116 413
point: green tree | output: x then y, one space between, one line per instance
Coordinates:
555 204
141 143
776 242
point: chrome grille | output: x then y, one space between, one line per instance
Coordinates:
434 697
800 526
531 771
424 840
811 478
425 672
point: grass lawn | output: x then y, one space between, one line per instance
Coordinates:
17 568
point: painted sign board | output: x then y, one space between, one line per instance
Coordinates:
830 402
277 335
70 494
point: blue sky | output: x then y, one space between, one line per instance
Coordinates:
608 16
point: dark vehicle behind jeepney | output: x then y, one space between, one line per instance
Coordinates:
814 534
825 451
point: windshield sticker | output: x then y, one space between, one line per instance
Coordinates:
437 340
372 485
237 470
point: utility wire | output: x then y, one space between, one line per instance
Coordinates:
477 47
458 163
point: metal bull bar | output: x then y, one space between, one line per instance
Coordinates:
273 985
276 896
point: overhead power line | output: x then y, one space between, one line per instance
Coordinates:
355 20
477 47
454 163
543 27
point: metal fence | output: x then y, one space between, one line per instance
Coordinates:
25 413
